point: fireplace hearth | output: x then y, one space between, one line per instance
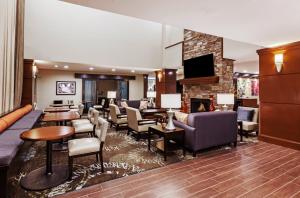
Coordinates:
196 104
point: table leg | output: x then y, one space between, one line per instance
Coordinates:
149 140
183 146
165 147
45 177
49 158
241 130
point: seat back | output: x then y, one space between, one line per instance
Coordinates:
95 116
114 111
90 113
133 115
101 129
80 109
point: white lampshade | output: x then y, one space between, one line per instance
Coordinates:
111 94
225 99
151 94
170 100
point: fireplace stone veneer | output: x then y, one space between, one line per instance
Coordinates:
198 44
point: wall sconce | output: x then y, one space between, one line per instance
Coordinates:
278 62
159 76
34 71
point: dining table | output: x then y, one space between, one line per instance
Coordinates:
61 119
56 109
50 175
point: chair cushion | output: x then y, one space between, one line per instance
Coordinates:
250 126
98 106
144 128
10 143
3 125
245 114
124 104
88 127
122 121
83 146
181 117
143 104
80 121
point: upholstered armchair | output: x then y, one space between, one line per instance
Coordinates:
249 117
135 122
88 127
117 119
100 105
79 109
89 146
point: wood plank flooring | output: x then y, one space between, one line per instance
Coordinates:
258 170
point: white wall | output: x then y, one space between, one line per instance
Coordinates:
46 87
136 88
246 67
172 56
64 32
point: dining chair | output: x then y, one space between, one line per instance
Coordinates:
83 120
88 127
136 123
117 119
89 146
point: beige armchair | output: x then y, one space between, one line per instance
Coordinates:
85 120
117 119
89 146
250 126
136 124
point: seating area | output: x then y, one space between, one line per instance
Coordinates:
149 99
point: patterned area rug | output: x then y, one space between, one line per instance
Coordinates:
123 156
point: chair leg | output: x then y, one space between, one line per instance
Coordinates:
70 168
194 153
101 158
138 136
97 157
235 143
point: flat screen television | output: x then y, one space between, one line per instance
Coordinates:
202 66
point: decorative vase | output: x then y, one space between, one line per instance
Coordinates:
212 105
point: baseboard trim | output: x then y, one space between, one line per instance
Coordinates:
280 141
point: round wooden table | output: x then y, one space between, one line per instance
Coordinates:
60 118
51 175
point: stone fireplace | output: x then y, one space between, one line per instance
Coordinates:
197 102
199 44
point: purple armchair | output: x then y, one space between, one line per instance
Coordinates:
209 129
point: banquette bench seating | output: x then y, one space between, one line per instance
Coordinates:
11 126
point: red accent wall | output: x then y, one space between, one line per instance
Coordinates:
280 96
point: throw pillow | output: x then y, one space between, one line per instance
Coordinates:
181 117
124 104
143 104
245 114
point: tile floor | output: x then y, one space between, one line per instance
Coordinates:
257 170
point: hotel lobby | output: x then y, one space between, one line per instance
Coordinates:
149 99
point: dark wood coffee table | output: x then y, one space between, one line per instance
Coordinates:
149 113
172 139
51 175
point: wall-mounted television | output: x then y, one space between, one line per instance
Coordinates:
202 66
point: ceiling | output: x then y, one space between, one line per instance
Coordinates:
41 64
266 23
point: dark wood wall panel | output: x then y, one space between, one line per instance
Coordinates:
280 89
280 96
27 92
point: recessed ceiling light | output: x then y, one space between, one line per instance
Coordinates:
66 66
132 71
113 69
91 68
56 66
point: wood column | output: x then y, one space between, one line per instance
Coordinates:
145 77
165 83
27 93
279 96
